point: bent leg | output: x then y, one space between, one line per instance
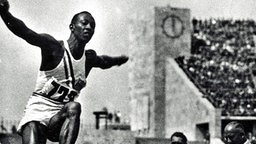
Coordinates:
34 133
65 124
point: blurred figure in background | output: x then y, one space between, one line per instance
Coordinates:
234 134
178 138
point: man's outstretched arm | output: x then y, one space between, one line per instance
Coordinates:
20 29
104 61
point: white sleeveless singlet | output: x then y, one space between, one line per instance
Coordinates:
63 83
54 88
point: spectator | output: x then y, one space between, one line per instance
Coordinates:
117 116
178 138
110 117
14 129
220 62
234 134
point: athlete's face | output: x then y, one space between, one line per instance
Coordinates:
83 28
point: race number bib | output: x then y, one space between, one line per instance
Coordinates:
58 92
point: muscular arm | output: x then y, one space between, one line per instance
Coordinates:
106 62
21 30
52 51
103 61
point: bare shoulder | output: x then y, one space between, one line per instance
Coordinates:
52 55
50 44
48 40
90 54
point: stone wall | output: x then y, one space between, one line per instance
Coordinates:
185 106
141 70
93 136
106 137
150 45
172 38
100 138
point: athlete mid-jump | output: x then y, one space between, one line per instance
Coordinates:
51 112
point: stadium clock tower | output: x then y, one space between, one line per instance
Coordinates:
155 35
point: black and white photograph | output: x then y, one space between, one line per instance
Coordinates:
128 72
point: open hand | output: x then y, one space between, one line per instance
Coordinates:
122 59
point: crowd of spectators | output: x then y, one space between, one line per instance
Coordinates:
222 54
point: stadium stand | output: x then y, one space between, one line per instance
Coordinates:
220 65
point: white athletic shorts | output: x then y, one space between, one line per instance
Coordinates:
39 109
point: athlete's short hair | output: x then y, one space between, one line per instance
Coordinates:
74 19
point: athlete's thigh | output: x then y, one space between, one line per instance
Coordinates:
55 125
34 133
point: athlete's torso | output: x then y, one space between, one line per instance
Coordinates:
64 82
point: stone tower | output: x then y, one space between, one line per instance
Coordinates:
155 35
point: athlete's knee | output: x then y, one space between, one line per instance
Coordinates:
74 109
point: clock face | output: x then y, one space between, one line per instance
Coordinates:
172 26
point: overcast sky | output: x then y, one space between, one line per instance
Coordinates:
20 61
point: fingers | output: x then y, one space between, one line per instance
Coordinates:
123 59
